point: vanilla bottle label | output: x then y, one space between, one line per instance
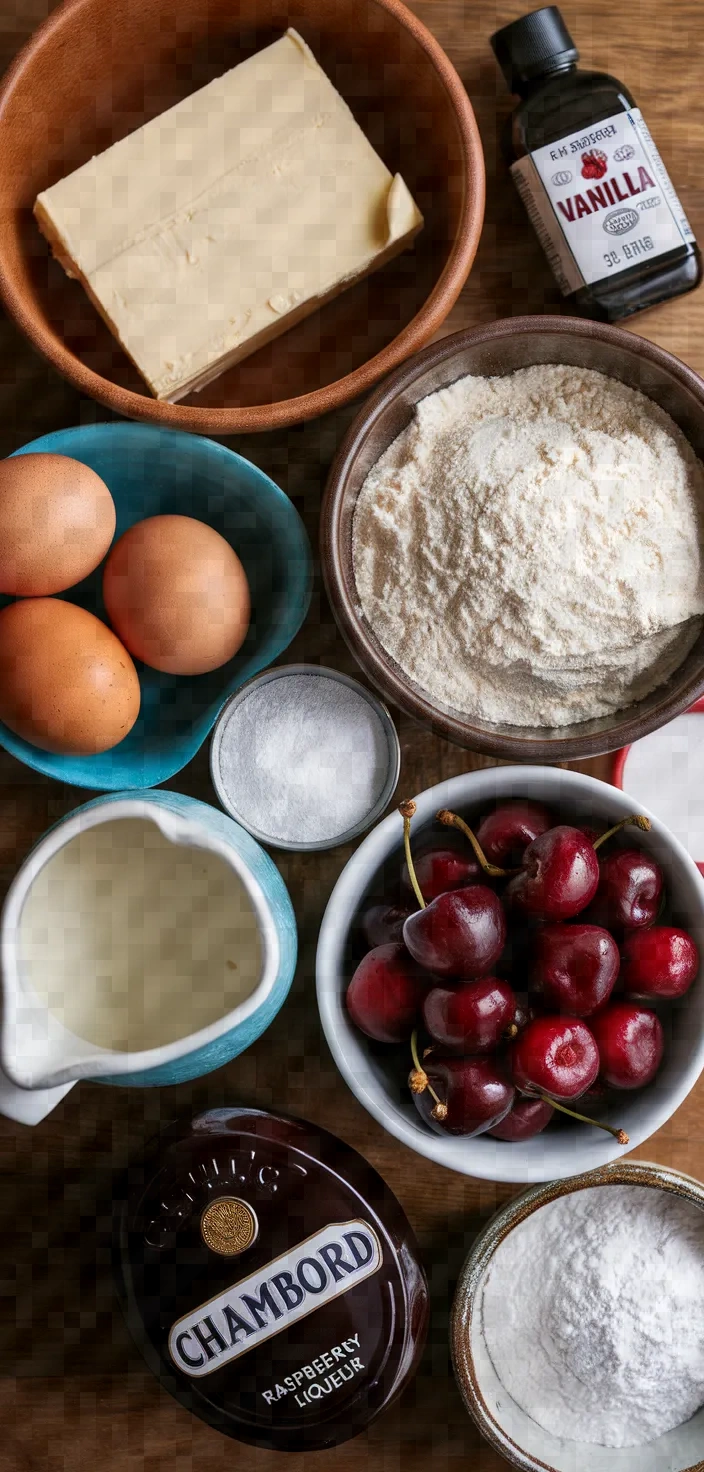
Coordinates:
601 201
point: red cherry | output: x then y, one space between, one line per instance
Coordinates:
659 963
575 967
386 993
474 1091
630 886
472 1018
596 1099
559 875
506 833
630 1042
556 1055
527 1118
439 870
591 833
383 924
460 933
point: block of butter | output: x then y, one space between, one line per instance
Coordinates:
227 219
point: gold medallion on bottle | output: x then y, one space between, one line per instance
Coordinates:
228 1226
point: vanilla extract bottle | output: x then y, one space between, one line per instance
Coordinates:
593 183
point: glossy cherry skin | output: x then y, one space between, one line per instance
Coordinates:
382 925
659 963
559 875
591 833
460 934
557 1055
504 835
385 995
527 1118
596 1099
441 869
476 1091
630 1042
471 1018
574 967
630 887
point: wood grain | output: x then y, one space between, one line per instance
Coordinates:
74 1394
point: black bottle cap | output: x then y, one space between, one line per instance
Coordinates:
537 43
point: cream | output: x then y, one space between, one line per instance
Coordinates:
133 941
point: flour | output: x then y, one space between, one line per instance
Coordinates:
529 549
593 1313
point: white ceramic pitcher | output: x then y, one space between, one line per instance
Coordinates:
41 1058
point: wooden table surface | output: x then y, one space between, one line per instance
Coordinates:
74 1394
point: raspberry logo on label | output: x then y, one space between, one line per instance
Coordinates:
594 164
277 1295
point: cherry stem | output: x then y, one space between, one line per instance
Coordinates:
453 820
407 810
619 1135
421 1081
639 820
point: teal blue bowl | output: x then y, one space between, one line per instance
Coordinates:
151 471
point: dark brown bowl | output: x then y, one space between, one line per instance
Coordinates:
98 69
498 349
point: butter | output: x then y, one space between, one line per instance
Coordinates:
233 215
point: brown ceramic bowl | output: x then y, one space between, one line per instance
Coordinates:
516 1436
501 348
98 69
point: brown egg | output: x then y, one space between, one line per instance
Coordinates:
66 683
57 520
177 595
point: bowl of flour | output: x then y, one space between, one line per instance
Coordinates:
564 1361
513 538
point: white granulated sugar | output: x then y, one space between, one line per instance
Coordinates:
304 758
529 549
593 1314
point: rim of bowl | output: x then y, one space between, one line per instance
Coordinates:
627 1173
379 666
334 929
285 412
393 749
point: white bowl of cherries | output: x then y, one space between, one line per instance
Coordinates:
552 966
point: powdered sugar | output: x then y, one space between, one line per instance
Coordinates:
593 1314
529 550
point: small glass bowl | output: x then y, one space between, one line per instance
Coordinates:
226 797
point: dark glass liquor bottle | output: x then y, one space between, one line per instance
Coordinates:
596 190
270 1278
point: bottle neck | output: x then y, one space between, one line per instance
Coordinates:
525 88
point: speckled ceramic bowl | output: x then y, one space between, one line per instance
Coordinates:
515 1435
